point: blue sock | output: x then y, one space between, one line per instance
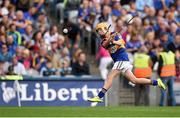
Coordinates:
102 93
154 82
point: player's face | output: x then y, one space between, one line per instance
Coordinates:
103 32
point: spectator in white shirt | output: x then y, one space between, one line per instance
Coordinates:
18 67
51 35
4 8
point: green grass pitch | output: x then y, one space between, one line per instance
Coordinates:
122 111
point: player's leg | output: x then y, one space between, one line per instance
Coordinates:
111 76
130 76
108 83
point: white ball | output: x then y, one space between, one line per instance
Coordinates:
65 30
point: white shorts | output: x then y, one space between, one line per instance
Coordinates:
123 66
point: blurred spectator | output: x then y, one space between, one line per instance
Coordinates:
83 14
42 21
26 59
137 27
142 69
80 67
51 35
144 12
162 4
65 55
5 22
151 15
2 30
39 4
173 28
72 5
149 39
23 5
30 15
2 71
5 55
37 37
4 7
133 11
175 48
61 42
28 36
12 11
40 59
124 12
140 4
175 45
134 44
160 26
116 10
2 40
11 45
65 69
105 16
167 72
18 67
127 34
16 35
61 4
96 6
10 70
72 39
3 67
20 22
105 60
55 54
42 44
153 52
106 2
164 39
119 25
48 70
19 51
85 23
42 29
75 56
160 13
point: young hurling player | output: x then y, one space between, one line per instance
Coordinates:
116 47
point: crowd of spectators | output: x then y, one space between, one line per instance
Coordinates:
31 45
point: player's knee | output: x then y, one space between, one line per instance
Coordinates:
109 78
134 80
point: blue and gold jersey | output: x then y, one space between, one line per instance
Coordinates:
118 52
